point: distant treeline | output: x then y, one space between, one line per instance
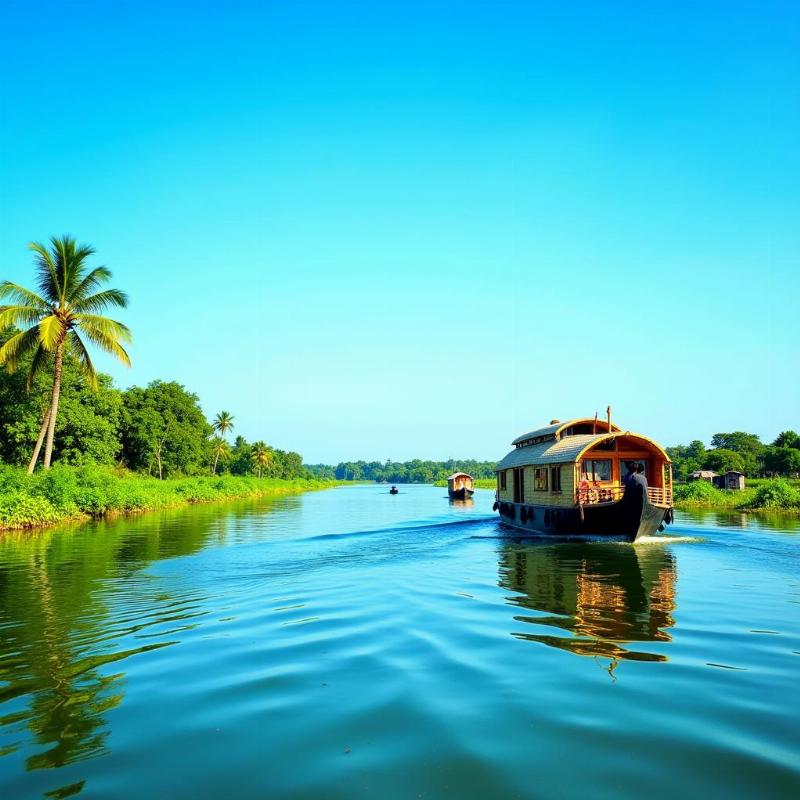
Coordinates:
743 452
401 472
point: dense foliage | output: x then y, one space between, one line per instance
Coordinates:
772 494
739 451
66 492
159 430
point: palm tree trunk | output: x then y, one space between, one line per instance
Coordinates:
51 425
216 458
37 449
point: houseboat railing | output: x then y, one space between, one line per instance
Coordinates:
608 493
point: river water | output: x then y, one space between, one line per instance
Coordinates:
352 644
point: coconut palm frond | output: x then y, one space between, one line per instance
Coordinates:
83 358
22 296
51 331
102 326
19 316
91 282
107 343
101 300
46 272
17 346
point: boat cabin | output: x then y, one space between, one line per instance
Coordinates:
581 462
460 485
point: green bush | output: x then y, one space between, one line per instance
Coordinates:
696 491
19 510
69 492
777 494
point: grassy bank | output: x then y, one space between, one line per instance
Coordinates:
69 493
772 494
480 483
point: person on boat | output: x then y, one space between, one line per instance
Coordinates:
641 479
629 481
634 482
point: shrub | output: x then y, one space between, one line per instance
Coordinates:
775 494
19 510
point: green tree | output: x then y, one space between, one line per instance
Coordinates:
68 306
788 439
221 451
261 457
241 462
722 459
164 429
687 458
87 428
782 460
223 423
747 445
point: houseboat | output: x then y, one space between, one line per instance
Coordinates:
574 479
460 486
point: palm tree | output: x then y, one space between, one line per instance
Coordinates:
223 423
221 450
68 304
261 456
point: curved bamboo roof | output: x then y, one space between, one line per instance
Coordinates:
459 475
555 429
568 450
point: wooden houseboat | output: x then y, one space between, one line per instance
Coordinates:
569 479
460 486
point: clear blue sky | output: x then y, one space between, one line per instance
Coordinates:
388 230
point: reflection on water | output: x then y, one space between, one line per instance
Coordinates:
58 627
771 521
348 644
604 596
460 505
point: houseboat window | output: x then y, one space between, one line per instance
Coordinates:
596 469
555 479
503 482
519 485
540 479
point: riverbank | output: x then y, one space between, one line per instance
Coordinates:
479 483
74 493
767 494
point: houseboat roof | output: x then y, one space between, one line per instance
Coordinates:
459 475
555 430
568 449
560 451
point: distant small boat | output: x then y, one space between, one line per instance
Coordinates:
394 490
460 486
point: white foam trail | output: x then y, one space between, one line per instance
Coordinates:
649 540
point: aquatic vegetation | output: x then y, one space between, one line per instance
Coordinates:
63 493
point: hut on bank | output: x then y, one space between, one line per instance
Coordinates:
702 475
732 480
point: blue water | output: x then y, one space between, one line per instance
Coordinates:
351 644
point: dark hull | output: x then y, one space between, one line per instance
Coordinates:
619 520
460 494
